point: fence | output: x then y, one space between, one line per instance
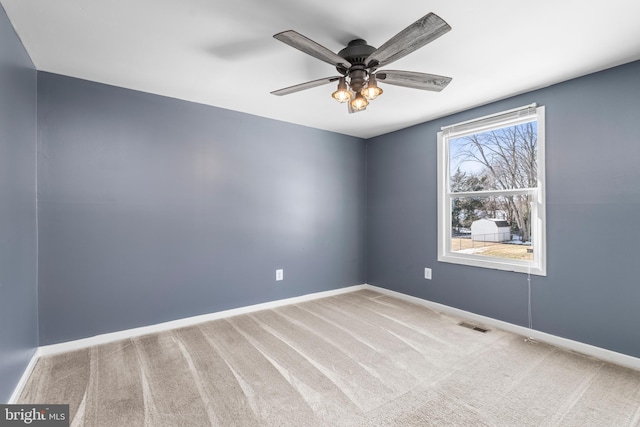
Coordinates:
461 241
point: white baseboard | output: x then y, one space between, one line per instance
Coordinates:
180 323
590 350
23 379
587 349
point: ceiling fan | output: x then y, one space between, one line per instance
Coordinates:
358 63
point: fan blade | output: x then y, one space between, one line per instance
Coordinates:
414 80
312 48
423 31
304 86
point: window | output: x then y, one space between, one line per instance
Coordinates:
491 199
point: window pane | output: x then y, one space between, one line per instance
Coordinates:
492 226
499 159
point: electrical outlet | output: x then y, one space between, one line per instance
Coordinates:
427 273
279 274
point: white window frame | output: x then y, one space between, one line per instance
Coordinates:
538 212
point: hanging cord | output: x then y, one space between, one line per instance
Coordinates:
530 315
529 300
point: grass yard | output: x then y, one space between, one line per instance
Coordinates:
500 250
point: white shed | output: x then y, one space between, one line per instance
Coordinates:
490 230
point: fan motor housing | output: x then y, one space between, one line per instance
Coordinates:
356 52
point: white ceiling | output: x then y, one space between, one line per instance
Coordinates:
222 53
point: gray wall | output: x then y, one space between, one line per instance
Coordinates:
153 209
18 238
592 291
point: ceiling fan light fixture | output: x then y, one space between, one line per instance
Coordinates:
359 63
342 94
372 91
359 102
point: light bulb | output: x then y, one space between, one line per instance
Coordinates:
372 91
359 102
342 94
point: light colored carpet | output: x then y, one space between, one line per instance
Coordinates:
357 359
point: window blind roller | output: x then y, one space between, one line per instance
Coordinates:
487 122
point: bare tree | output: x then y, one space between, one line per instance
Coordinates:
509 160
